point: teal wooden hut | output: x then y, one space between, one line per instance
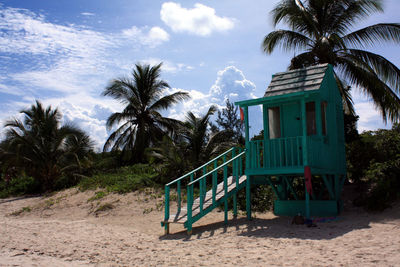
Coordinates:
301 155
303 143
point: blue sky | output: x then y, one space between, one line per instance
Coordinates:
64 53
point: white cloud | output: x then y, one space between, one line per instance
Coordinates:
25 32
152 38
87 14
370 119
200 20
231 83
69 58
167 66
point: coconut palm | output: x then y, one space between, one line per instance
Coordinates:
140 123
201 145
320 31
42 148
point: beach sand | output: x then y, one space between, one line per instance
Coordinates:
66 230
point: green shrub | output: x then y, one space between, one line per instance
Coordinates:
17 186
262 198
373 162
385 188
123 180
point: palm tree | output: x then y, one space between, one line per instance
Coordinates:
42 148
321 30
170 158
140 123
201 145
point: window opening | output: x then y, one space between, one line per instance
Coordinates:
274 122
310 118
324 106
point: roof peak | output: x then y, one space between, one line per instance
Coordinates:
316 66
304 79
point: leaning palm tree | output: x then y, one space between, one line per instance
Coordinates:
140 124
42 148
320 31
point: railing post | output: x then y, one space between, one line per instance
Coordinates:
234 164
225 192
189 208
214 182
178 185
204 182
201 195
166 215
266 136
246 128
241 164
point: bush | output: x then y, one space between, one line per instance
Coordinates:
17 186
385 179
123 180
373 162
262 198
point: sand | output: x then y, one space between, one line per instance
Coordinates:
66 230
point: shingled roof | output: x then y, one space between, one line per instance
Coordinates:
299 80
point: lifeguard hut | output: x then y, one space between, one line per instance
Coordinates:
303 143
301 155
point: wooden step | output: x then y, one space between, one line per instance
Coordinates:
181 217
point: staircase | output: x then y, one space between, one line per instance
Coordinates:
212 188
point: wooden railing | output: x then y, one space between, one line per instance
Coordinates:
276 153
228 163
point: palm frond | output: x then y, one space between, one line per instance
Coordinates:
286 40
168 100
364 77
374 34
347 13
384 69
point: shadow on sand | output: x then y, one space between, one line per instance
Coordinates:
281 227
6 200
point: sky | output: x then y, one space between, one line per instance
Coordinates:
65 52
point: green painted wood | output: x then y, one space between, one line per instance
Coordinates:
178 189
269 181
214 182
246 135
266 135
328 186
289 184
166 211
295 207
191 173
189 207
214 197
219 167
220 201
248 198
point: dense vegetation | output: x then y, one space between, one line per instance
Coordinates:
374 165
40 152
147 149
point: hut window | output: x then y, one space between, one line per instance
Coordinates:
324 106
310 116
274 122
